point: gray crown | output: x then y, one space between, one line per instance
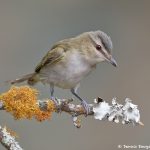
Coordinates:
106 40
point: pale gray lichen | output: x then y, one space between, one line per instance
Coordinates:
8 140
101 110
131 112
127 113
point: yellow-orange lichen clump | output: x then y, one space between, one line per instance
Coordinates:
11 132
22 103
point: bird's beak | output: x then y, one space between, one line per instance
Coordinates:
113 62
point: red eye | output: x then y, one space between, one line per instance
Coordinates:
98 47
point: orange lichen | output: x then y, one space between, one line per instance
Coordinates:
43 115
22 103
12 133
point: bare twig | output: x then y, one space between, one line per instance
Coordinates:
66 106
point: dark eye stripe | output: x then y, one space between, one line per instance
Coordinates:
95 44
105 55
99 48
106 43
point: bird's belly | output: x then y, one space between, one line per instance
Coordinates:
65 76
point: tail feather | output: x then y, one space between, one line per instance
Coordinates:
27 77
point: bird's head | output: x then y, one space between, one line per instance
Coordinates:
101 47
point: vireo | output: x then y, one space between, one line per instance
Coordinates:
70 60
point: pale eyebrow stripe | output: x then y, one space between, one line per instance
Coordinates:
94 43
104 44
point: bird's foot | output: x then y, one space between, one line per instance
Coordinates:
86 107
56 104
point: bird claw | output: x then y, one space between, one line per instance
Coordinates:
56 104
86 107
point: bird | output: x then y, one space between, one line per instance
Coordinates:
69 61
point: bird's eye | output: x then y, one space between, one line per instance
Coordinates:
98 47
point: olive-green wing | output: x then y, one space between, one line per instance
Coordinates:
54 55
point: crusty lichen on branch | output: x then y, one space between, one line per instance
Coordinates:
7 139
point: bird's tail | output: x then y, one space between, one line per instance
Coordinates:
30 78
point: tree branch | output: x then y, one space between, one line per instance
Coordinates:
22 102
101 110
127 113
8 141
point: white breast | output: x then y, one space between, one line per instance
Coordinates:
68 73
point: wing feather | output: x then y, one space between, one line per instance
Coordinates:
54 55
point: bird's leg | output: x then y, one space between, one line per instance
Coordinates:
83 102
52 91
52 96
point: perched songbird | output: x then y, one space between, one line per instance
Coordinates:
70 60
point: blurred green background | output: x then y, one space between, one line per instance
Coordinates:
29 28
